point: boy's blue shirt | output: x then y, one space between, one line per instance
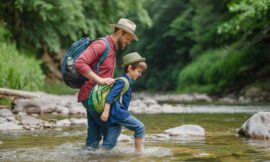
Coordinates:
119 111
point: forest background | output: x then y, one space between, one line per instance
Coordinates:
206 46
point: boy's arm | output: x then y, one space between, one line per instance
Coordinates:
114 92
105 115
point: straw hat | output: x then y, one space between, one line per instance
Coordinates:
126 25
131 59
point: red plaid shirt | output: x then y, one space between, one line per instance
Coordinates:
89 58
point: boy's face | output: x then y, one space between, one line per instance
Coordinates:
135 73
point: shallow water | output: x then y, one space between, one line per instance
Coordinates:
221 142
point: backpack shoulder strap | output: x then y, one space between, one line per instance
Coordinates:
126 87
104 55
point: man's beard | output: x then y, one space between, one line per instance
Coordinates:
121 46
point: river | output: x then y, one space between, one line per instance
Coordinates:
220 144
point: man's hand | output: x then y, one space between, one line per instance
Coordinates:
102 81
106 81
104 116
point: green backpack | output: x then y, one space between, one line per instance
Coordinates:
98 94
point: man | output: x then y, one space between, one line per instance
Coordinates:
122 36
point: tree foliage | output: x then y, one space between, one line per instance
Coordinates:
181 31
249 22
190 45
52 22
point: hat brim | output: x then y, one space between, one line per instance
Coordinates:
133 62
126 30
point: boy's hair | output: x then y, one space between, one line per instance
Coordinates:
142 65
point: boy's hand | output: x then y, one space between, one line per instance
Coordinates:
104 116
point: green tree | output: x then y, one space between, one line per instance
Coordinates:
208 15
41 23
181 31
249 23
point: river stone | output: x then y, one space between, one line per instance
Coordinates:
5 112
11 118
31 121
81 121
124 138
186 130
48 125
257 126
64 122
21 114
166 108
10 126
202 97
32 109
3 120
137 106
152 109
77 110
158 136
62 110
149 101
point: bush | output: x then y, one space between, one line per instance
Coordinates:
18 71
59 88
212 71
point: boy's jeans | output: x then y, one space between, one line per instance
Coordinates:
114 130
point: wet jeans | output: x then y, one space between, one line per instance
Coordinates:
114 130
94 130
110 132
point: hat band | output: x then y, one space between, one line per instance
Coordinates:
126 27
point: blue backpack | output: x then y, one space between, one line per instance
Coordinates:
71 77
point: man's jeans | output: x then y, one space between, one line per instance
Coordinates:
94 130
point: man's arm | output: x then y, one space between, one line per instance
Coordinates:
88 58
105 115
93 76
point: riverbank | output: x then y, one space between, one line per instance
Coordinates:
27 113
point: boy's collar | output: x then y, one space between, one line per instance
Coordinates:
126 76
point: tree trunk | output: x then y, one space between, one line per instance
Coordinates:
54 73
17 93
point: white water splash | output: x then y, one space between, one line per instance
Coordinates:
77 152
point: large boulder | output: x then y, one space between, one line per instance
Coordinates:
186 130
257 126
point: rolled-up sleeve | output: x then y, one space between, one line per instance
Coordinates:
90 56
115 91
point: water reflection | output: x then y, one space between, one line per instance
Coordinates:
220 144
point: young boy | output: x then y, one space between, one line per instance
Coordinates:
116 114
